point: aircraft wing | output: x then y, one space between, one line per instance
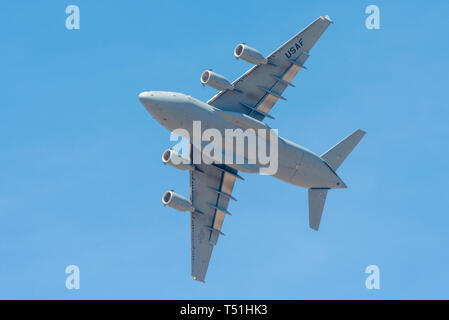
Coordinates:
210 191
256 91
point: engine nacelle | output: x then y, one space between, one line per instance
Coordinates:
215 80
176 201
174 159
251 55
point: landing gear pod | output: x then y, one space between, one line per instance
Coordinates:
251 55
215 80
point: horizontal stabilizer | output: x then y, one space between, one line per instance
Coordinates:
338 153
317 197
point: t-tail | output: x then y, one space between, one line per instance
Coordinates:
334 157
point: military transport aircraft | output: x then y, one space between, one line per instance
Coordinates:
244 104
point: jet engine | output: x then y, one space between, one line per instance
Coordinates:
176 201
215 80
174 159
251 55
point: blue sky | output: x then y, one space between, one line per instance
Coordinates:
81 176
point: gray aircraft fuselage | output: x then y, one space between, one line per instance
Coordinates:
296 165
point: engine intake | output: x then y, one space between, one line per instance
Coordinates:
174 159
176 201
215 80
251 55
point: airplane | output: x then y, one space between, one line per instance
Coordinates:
244 104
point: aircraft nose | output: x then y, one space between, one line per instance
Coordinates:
148 99
144 96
